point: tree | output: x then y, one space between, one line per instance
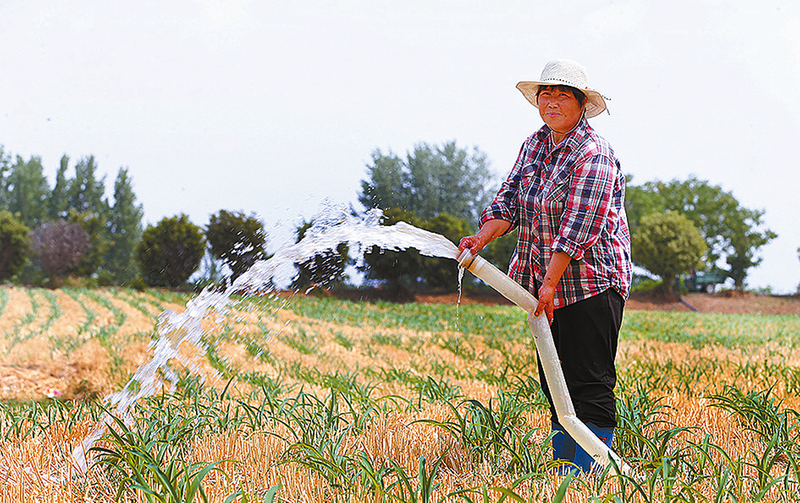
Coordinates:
438 272
59 247
14 244
125 231
27 191
86 192
668 244
403 270
500 251
749 235
94 224
399 269
170 251
87 206
732 233
58 205
323 269
431 180
238 240
5 168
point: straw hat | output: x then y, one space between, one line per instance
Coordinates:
563 72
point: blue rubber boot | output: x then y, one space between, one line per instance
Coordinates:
582 458
563 448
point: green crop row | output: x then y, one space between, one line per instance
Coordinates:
409 403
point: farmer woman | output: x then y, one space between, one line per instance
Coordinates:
566 196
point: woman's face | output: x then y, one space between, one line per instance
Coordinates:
559 108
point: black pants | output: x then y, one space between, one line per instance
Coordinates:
585 336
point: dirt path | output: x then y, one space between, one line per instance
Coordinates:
725 303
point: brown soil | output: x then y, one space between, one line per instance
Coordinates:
725 302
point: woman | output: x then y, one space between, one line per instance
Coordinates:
566 196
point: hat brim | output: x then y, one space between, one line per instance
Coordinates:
595 102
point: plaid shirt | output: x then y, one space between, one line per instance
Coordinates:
569 199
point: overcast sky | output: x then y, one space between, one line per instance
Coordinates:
271 107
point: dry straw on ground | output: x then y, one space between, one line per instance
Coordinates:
83 345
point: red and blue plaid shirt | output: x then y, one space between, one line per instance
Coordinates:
571 199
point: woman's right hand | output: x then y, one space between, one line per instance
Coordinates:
473 243
491 229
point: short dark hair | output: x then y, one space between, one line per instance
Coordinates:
577 93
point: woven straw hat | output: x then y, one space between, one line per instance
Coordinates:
563 72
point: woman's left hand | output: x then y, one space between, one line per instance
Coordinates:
546 303
547 291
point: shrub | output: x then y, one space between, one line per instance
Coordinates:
14 244
236 239
170 251
59 246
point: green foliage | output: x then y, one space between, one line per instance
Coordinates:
436 272
170 251
82 200
749 235
147 459
58 204
125 231
114 231
404 270
94 223
399 269
324 269
500 251
237 239
731 232
497 436
668 244
85 192
14 245
27 191
347 430
761 413
5 168
431 180
438 188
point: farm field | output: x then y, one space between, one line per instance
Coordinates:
319 399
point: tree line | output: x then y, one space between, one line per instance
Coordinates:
72 231
69 229
677 227
49 234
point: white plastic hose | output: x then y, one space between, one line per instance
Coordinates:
548 357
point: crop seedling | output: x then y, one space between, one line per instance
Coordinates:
706 407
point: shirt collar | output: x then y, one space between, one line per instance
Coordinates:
579 131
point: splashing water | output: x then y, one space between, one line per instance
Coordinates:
332 226
461 271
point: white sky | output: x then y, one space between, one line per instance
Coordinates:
271 107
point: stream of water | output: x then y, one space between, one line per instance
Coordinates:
332 226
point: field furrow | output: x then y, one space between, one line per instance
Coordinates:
321 399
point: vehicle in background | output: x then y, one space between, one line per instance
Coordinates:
703 281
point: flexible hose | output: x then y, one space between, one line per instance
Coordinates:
548 356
